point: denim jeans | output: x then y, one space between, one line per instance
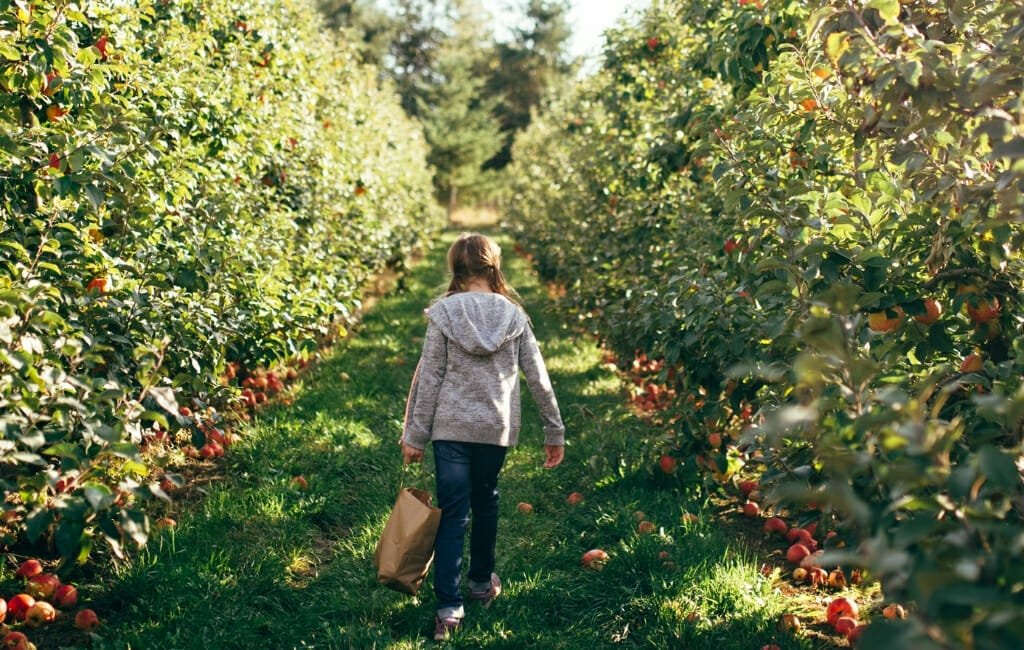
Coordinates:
467 480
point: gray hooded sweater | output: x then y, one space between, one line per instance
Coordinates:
466 386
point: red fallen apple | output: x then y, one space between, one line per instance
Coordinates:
746 487
19 605
29 568
812 560
840 607
3 611
86 619
645 527
65 596
688 518
667 464
837 579
574 498
15 641
594 559
42 585
894 611
751 509
844 624
797 552
853 636
789 623
299 482
40 613
524 507
775 525
817 576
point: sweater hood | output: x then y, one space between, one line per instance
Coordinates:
479 323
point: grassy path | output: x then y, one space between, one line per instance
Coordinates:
257 563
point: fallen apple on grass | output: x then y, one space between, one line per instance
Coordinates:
840 607
19 605
775 526
797 552
894 611
65 596
42 586
87 620
40 614
524 507
574 498
28 569
16 641
594 559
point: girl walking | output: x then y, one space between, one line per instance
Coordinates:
464 399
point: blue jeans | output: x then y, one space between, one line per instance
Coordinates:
467 479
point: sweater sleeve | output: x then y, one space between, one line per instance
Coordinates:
536 373
426 386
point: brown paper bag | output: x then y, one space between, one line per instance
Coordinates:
406 547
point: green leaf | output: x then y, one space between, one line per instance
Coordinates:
68 537
999 468
889 10
37 522
9 52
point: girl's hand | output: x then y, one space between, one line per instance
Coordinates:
411 454
554 455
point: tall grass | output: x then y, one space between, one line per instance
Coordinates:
257 563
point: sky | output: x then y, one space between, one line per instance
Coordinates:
588 19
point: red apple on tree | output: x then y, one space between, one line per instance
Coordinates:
972 363
982 310
882 321
932 309
667 464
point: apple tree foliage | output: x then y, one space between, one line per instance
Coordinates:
184 185
737 189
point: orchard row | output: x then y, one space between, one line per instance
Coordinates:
194 196
798 225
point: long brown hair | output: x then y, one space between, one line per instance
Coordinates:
477 256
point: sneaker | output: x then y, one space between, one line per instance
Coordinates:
444 628
485 598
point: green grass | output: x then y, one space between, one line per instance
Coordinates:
257 563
